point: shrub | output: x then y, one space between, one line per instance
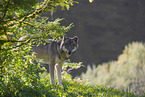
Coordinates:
127 73
18 71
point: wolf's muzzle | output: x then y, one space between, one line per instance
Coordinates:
69 52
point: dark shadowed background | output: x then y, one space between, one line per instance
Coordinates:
104 27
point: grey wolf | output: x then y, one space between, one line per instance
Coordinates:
55 53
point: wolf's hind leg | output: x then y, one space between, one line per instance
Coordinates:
51 71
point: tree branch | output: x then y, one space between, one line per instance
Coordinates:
33 26
13 41
22 19
6 7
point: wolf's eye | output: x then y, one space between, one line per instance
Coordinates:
66 45
72 45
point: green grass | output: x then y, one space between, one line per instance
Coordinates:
77 88
71 88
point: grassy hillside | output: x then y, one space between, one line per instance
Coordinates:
71 88
21 77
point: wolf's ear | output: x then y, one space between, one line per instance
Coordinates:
61 44
76 38
65 38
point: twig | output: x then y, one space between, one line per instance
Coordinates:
33 26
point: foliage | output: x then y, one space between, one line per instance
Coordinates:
19 71
71 88
127 73
91 1
71 65
17 16
19 68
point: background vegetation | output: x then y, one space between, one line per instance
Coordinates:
127 73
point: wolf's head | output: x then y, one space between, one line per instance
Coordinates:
69 45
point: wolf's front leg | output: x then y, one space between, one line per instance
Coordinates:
58 72
51 71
